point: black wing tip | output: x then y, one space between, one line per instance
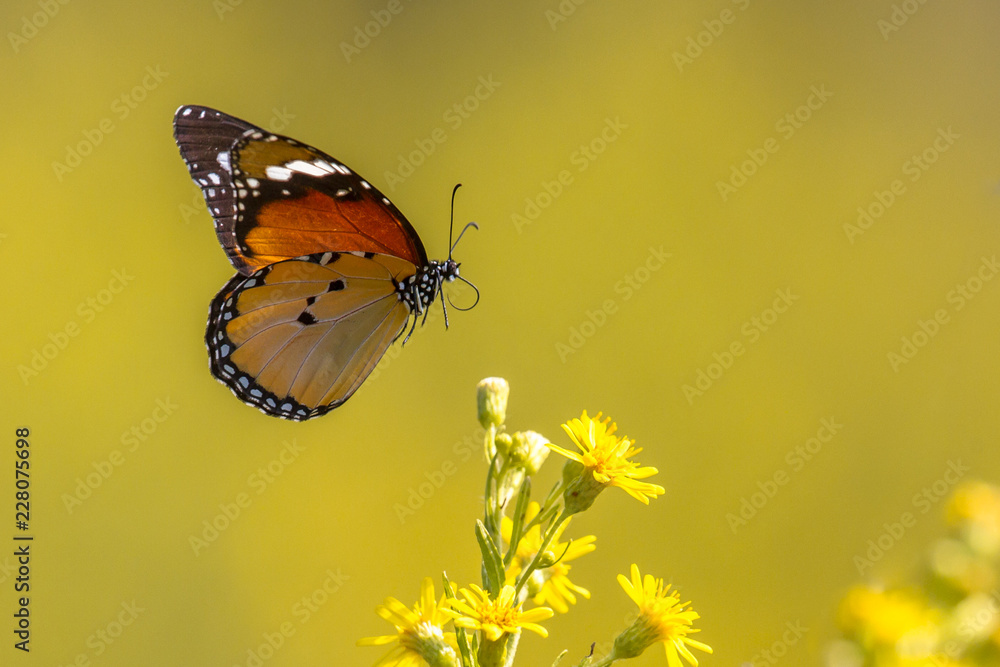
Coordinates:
188 110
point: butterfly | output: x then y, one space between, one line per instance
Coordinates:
329 271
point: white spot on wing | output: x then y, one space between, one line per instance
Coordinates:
304 167
324 165
223 159
278 173
214 178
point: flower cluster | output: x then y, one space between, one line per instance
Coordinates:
952 618
526 557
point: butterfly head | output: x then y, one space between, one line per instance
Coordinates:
449 270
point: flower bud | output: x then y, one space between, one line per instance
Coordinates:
491 396
503 443
528 449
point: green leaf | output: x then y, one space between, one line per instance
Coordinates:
492 562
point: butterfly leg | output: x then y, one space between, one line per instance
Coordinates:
412 328
416 313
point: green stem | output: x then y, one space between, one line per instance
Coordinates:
602 662
546 541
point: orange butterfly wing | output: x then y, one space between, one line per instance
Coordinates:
274 198
297 338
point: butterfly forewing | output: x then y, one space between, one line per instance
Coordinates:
274 198
297 338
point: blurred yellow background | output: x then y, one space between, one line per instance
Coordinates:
668 196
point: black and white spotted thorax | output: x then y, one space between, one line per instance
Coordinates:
419 290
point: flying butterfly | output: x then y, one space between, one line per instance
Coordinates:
329 271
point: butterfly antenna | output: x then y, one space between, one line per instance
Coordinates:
451 224
471 224
451 228
473 304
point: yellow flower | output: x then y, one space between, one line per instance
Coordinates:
549 585
883 618
603 461
418 631
974 508
662 618
495 617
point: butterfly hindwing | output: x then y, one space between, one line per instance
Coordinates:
297 338
274 198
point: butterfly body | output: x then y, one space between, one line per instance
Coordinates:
330 272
